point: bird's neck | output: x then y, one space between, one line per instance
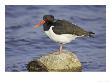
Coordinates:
47 26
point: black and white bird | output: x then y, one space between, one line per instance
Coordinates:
61 31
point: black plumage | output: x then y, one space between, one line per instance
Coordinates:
65 27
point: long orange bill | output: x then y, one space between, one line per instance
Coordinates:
39 24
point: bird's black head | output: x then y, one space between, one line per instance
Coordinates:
48 18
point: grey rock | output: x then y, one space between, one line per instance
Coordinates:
55 62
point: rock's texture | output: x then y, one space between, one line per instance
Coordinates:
36 66
64 62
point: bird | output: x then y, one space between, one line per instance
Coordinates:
61 31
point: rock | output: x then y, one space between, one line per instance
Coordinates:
64 62
36 66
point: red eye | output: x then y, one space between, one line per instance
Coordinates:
45 19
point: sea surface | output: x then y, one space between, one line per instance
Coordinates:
23 44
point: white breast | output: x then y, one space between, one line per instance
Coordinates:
63 38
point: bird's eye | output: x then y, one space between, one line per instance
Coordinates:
46 19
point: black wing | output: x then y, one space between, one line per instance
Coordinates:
65 27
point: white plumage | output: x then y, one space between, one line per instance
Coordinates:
63 38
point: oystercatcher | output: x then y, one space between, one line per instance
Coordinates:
61 31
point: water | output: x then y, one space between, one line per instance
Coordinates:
23 44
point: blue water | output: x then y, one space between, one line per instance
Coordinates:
24 44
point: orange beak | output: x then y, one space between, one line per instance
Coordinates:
39 24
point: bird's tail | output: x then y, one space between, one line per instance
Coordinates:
91 34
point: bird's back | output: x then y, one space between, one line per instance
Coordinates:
65 27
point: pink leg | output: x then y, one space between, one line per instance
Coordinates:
61 46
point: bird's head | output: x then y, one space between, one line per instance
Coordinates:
46 18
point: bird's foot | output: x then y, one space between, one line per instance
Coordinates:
60 50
